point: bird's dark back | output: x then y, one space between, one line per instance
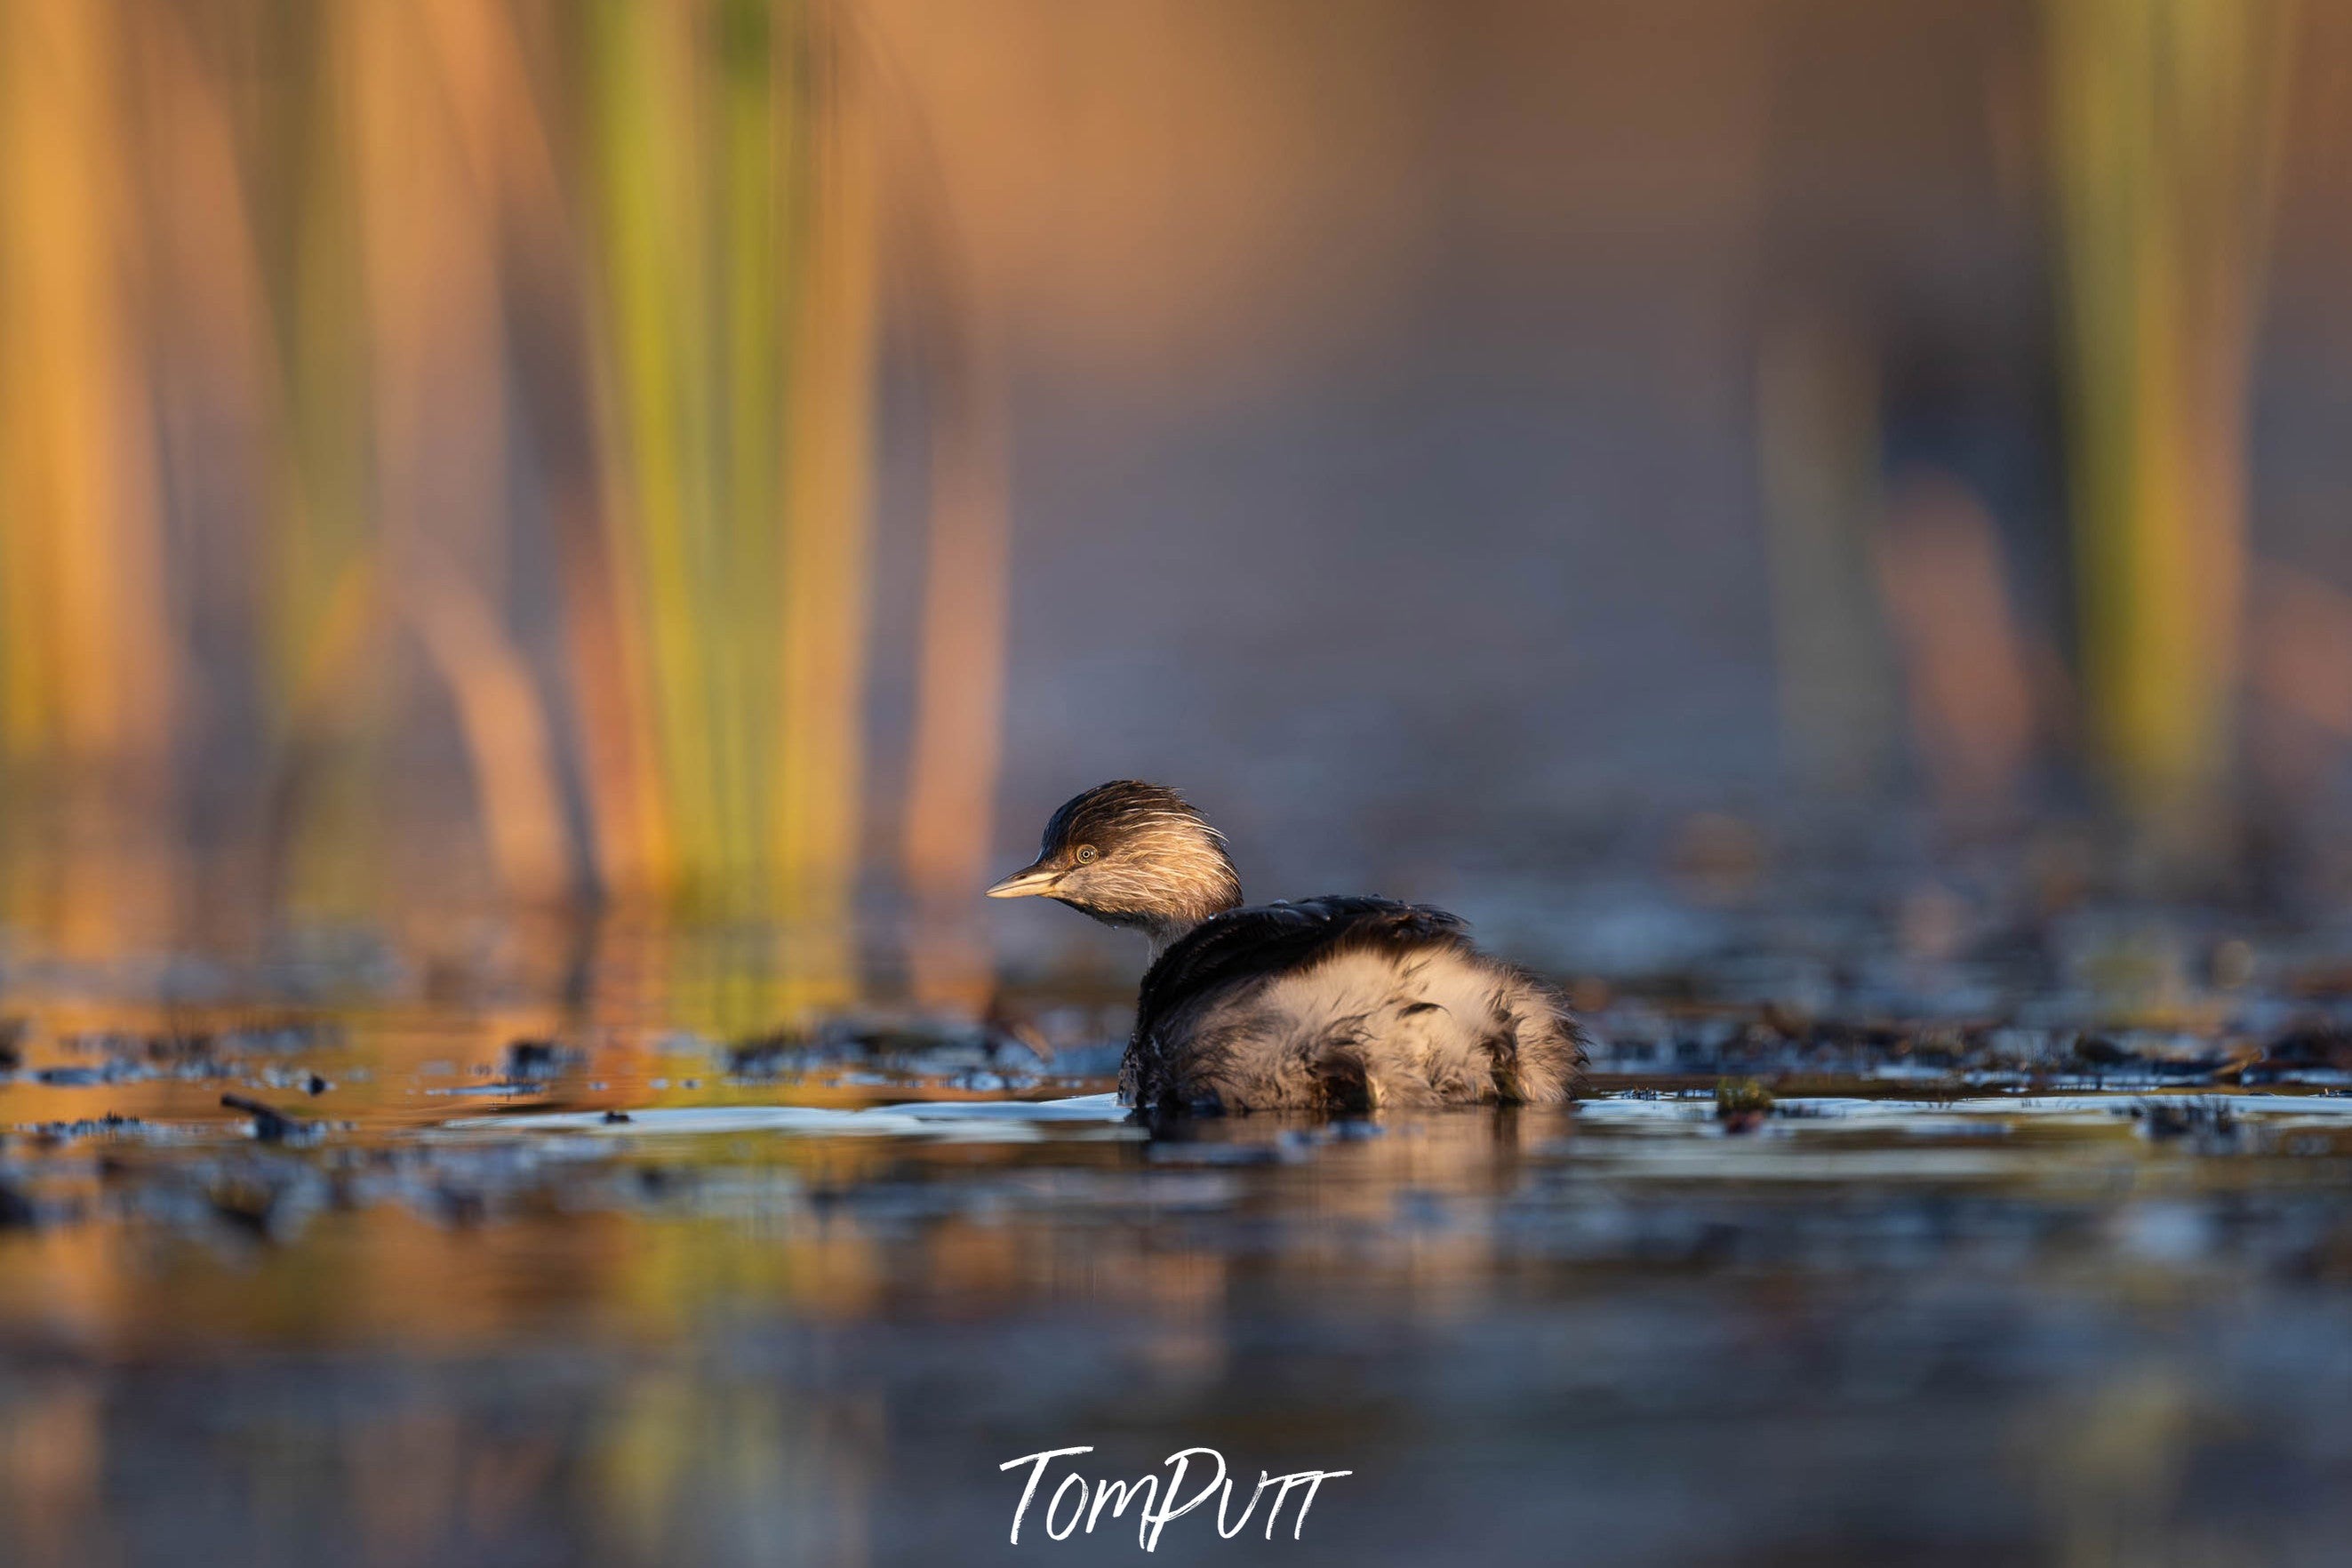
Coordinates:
1266 940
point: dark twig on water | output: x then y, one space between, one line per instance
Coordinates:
270 1125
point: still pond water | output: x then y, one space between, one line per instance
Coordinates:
640 1299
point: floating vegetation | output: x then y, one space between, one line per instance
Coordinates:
903 1047
1742 1104
2210 1122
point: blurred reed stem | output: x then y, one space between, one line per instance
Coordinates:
827 455
2165 120
439 398
642 187
88 667
323 692
1818 457
733 184
387 240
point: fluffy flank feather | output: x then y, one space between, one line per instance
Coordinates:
1343 1004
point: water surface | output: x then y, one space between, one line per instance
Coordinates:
644 1300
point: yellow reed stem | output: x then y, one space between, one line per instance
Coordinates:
322 596
88 667
823 609
2164 122
731 181
755 104
645 187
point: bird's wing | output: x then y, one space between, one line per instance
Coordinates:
1265 940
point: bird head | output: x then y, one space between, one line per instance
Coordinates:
1133 855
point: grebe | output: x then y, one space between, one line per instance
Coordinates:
1334 1004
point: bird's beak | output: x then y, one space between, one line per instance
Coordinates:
1029 882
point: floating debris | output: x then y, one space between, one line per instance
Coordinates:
271 1125
76 1078
1742 1104
918 1049
534 1061
110 1124
2212 1122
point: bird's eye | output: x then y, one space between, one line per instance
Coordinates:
1086 854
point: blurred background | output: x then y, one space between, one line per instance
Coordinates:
734 465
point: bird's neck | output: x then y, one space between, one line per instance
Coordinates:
1164 931
1165 934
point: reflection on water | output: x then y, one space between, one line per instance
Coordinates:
628 1298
